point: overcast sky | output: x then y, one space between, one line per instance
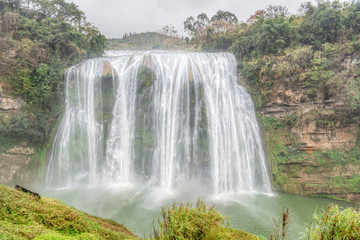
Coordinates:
116 17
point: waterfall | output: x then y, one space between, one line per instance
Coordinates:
158 118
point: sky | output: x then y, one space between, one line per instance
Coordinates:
116 17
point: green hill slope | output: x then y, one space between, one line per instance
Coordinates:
23 216
145 41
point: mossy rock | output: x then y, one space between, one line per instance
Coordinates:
107 71
146 78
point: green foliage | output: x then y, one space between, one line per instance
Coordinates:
50 35
272 122
274 35
29 126
317 76
184 222
145 41
251 71
348 183
36 87
215 34
353 93
221 42
146 77
300 57
290 119
334 223
24 217
224 16
288 44
322 23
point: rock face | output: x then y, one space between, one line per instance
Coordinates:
321 127
7 102
313 142
318 152
15 164
15 159
326 138
307 178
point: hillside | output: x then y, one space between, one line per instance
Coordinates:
24 216
145 41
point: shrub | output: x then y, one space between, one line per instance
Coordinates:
184 222
273 122
25 125
334 223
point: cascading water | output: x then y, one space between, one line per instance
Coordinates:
161 118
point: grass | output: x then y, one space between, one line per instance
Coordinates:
22 216
349 183
334 223
182 222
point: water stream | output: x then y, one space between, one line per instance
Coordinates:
158 118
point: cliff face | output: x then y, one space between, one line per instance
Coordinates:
9 103
16 155
15 164
313 142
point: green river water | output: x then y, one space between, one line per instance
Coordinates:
138 208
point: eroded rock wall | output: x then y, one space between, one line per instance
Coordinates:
313 143
16 156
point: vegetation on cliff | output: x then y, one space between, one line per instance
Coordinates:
300 51
38 40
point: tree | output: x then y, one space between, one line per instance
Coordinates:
193 27
275 11
322 23
189 25
202 21
216 33
352 18
225 16
13 4
169 30
274 35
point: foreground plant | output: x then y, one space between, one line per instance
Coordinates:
334 223
186 222
281 226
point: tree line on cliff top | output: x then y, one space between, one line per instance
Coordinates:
271 30
307 49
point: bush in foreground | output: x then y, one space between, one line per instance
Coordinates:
186 222
334 223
